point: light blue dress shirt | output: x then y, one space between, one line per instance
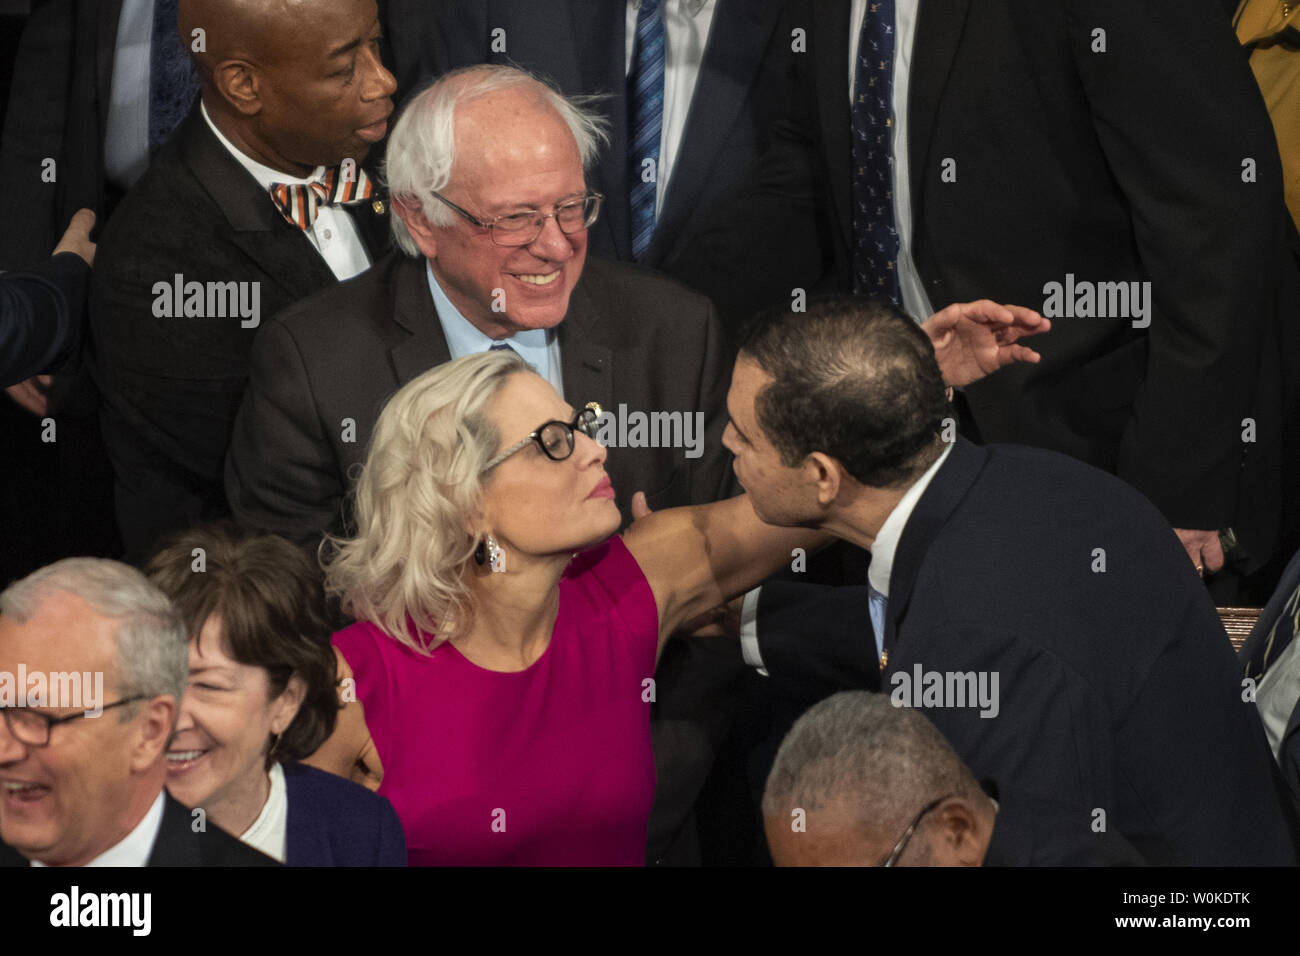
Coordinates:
540 348
126 143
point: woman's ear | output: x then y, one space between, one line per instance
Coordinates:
285 708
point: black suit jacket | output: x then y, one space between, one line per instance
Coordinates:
1119 166
580 45
630 337
1117 689
178 845
58 109
171 386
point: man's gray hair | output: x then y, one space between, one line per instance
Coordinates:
152 646
856 747
422 147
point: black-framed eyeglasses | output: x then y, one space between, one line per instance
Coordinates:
32 728
901 845
523 228
555 439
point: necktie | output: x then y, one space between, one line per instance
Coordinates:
500 347
173 81
300 203
645 102
1279 637
877 607
875 237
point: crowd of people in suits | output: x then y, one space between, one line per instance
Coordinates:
310 469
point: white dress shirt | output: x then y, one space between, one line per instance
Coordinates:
334 234
540 348
686 34
882 565
126 142
915 300
135 847
270 831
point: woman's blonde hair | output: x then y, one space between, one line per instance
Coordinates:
421 481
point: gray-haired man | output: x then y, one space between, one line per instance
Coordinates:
80 786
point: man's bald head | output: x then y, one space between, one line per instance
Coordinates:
295 84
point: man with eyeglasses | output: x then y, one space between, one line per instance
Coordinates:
861 782
84 786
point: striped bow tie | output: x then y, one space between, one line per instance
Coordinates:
300 203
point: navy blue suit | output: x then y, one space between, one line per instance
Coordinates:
1118 690
335 822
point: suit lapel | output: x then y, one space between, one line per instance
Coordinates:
371 219
831 58
937 504
280 250
176 843
737 39
938 31
414 311
600 28
585 362
107 13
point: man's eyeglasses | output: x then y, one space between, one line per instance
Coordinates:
32 728
523 228
901 845
555 439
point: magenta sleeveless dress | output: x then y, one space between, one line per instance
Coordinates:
549 766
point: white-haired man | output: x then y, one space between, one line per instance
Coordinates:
80 786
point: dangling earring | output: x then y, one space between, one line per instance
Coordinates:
496 556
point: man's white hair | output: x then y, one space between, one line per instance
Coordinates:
422 147
152 646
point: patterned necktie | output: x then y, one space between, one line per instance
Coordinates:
173 81
645 105
300 203
875 237
501 347
877 604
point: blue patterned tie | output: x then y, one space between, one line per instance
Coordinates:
500 347
645 113
173 81
875 236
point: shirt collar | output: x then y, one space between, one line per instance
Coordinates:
465 338
135 847
886 543
693 7
264 175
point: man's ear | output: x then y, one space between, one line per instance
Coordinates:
412 216
827 474
156 726
962 836
238 83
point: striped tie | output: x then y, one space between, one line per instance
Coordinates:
300 203
645 104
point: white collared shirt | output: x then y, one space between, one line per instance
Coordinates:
270 831
135 847
915 300
882 564
334 234
540 348
686 35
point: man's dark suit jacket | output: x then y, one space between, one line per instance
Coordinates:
1288 756
1119 166
335 822
58 109
1117 689
40 316
630 337
172 386
580 45
178 845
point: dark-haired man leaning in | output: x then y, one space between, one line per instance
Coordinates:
1040 611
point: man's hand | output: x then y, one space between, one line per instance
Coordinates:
33 394
975 339
1203 548
77 236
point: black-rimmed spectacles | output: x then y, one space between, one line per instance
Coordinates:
555 439
901 845
32 728
523 228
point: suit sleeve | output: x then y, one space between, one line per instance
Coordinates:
392 840
817 638
40 317
712 478
281 476
1184 130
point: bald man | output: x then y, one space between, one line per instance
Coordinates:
259 199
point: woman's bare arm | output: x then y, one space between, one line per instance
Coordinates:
699 557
